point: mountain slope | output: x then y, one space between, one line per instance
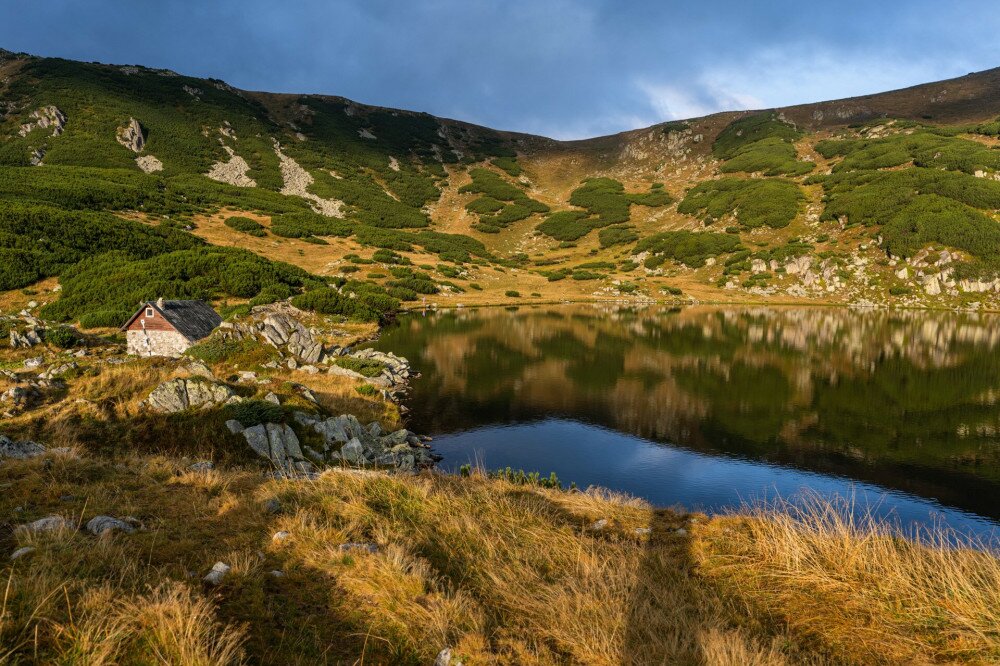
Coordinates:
130 183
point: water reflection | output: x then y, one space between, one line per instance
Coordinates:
906 400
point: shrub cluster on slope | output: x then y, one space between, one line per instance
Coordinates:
922 148
756 202
761 142
105 289
606 203
917 206
246 226
688 247
502 203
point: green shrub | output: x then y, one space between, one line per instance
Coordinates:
366 390
218 350
363 366
511 293
619 235
370 302
750 129
755 202
246 225
250 413
566 225
687 247
508 164
63 337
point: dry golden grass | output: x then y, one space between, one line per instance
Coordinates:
502 573
880 598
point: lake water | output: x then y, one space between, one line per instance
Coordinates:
712 407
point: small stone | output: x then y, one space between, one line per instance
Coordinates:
272 398
367 547
202 466
643 530
218 572
21 552
234 426
272 506
680 532
277 573
443 658
101 525
278 537
598 525
47 524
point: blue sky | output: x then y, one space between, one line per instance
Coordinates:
562 68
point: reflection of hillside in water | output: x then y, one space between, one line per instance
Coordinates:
911 388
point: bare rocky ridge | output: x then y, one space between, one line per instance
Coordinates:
297 181
234 171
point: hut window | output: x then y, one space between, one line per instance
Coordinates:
149 312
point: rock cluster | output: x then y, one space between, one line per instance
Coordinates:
234 171
396 369
279 325
43 118
345 440
29 337
179 394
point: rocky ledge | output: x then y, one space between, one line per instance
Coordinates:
343 441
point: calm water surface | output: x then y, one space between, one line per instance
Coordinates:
708 408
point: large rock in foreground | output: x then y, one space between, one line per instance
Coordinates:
177 395
275 442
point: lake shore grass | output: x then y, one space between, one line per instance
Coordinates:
379 568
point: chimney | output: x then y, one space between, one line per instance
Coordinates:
159 302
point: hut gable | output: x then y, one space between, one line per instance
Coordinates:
167 328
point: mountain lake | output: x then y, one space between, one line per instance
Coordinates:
894 412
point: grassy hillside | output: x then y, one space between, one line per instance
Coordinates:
891 198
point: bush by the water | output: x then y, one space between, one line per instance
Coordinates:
370 301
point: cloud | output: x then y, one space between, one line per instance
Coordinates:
673 102
793 74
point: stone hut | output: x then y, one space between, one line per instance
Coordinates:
167 328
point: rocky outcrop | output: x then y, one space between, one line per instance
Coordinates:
177 395
29 337
43 118
275 442
131 136
279 326
396 369
345 440
219 571
19 450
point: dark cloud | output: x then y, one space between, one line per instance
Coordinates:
566 68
